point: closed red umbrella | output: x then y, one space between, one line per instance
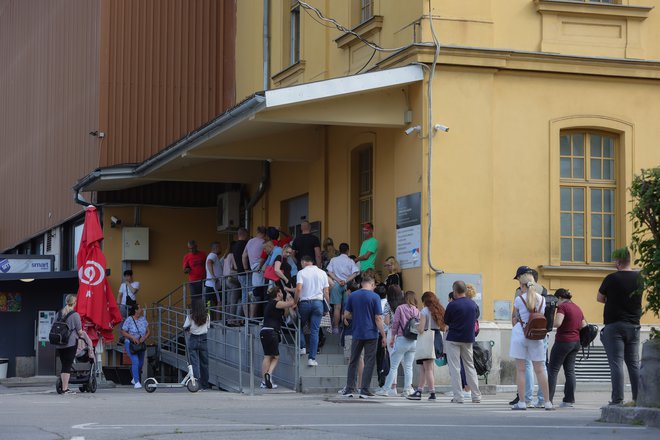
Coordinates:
96 303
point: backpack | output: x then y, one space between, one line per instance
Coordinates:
60 331
537 326
550 309
410 330
587 335
482 355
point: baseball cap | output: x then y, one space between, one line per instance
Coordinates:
367 227
521 270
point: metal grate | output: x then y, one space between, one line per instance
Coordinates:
593 369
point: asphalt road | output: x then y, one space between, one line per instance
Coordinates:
123 413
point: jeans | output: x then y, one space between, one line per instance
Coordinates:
563 354
621 342
457 351
369 347
137 361
404 351
244 279
233 298
529 378
311 313
199 358
195 289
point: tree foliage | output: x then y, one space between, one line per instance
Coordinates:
645 191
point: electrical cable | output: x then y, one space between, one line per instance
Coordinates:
367 63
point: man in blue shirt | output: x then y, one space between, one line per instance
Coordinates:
461 315
363 307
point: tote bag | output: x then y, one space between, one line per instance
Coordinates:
425 343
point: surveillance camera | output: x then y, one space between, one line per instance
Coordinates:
441 127
411 130
114 221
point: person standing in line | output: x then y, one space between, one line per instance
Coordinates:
274 313
569 321
394 275
237 249
342 270
127 295
68 352
252 260
197 323
312 289
363 307
307 244
193 266
328 253
620 292
404 348
368 249
432 319
231 287
213 274
522 348
460 316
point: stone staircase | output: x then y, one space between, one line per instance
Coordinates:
330 375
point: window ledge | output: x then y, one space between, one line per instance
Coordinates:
584 272
364 30
587 8
291 71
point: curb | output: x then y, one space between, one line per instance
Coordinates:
631 415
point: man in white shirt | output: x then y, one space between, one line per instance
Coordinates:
342 270
252 261
213 274
127 296
312 289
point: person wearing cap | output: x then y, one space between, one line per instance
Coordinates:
369 248
568 322
529 366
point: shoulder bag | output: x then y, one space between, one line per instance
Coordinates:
426 343
140 346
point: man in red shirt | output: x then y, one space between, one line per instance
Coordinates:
194 266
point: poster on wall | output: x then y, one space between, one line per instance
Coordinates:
26 265
444 282
11 302
409 230
46 319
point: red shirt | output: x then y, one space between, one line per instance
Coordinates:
196 263
569 330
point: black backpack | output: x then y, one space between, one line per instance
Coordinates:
410 330
60 331
587 335
550 309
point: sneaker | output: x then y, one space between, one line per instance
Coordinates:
263 385
392 392
335 331
341 391
466 394
132 381
514 401
417 395
455 400
520 406
348 393
548 406
312 363
303 351
269 384
529 404
540 404
68 392
382 392
408 392
137 385
566 405
432 397
365 394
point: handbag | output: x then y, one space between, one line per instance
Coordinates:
269 273
140 346
425 344
326 322
438 344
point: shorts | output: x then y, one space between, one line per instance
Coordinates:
523 348
348 343
337 294
66 357
270 342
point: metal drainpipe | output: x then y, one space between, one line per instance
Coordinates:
266 31
265 178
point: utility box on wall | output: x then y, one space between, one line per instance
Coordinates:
135 244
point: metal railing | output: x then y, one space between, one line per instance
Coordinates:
235 352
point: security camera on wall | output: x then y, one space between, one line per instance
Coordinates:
114 221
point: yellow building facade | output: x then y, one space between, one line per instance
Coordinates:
551 108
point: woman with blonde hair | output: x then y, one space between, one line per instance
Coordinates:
393 272
67 352
530 301
432 319
405 347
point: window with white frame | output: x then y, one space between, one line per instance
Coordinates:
588 196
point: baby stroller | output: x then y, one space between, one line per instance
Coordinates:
83 370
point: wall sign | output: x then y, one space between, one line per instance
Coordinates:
409 230
15 264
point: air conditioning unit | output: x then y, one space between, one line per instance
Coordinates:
229 210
